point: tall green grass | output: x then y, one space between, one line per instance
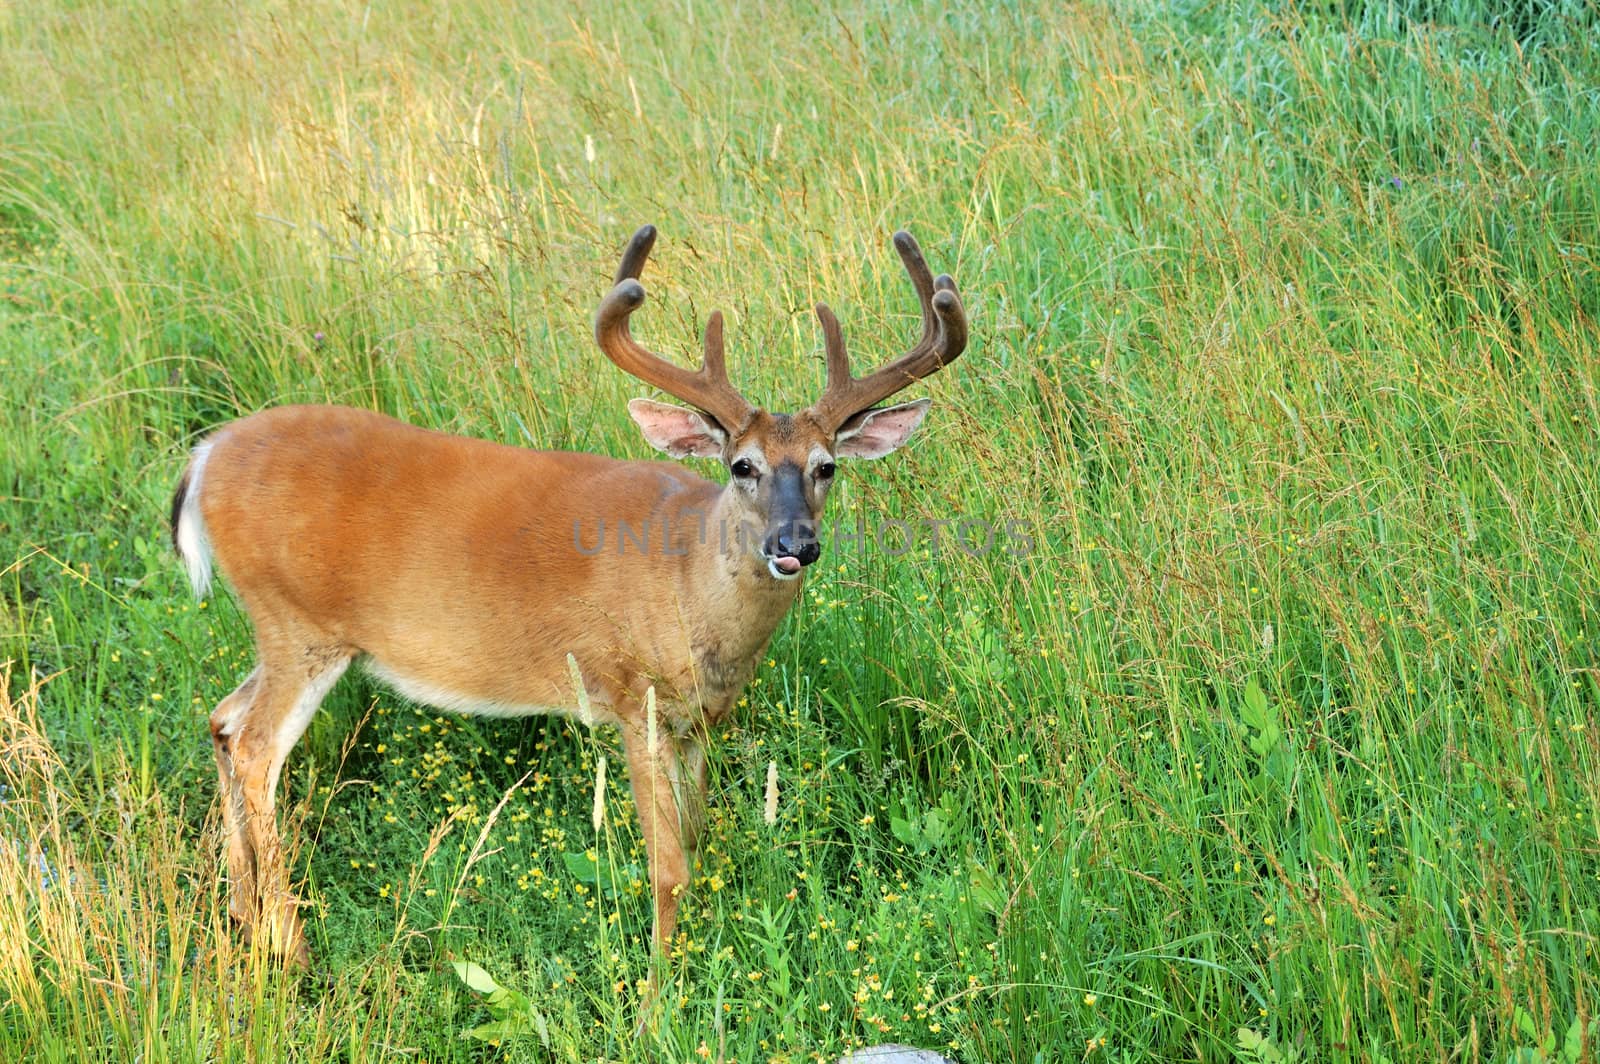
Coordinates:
1279 743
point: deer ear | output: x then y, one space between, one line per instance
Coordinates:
677 430
875 433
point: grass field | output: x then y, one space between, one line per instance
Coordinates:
1270 735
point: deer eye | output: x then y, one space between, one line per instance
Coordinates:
742 469
825 471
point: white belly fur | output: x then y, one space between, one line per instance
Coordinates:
430 694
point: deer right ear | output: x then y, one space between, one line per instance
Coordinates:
676 430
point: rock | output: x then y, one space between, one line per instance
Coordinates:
894 1054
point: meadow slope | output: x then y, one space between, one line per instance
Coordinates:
1266 729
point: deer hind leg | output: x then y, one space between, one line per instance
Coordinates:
241 862
253 730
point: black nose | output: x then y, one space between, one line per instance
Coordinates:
797 541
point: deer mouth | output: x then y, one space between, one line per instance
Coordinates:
785 567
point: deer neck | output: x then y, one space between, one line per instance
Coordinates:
736 606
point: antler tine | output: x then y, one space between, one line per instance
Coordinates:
838 360
633 256
944 337
707 388
714 361
921 280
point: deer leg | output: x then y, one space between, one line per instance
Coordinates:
668 781
241 862
253 743
667 815
690 783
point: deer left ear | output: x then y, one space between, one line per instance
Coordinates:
875 433
678 431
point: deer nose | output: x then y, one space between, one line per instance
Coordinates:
797 540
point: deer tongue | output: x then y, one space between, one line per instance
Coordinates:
787 564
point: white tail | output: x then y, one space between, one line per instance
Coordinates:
189 527
469 574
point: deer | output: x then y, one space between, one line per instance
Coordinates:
463 573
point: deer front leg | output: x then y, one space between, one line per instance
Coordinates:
690 783
667 816
668 777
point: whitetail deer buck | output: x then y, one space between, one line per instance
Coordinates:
461 571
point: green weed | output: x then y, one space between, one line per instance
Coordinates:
1264 729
